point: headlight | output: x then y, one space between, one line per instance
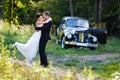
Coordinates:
69 35
68 30
72 31
106 32
94 39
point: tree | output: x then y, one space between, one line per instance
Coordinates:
111 13
97 10
71 7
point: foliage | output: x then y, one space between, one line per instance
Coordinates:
23 11
111 46
107 69
18 10
111 15
11 32
84 8
89 71
116 75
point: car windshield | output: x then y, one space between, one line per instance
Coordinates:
77 23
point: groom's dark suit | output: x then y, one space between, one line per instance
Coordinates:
45 36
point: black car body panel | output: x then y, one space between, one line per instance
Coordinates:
101 35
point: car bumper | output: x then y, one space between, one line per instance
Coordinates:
81 44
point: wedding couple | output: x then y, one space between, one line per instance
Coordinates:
38 40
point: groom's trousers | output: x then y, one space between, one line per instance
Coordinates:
42 53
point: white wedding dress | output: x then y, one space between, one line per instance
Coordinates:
29 50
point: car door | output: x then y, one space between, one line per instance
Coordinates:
60 30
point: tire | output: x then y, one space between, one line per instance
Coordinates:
92 48
63 45
92 42
57 41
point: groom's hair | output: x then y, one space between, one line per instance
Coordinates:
38 15
47 13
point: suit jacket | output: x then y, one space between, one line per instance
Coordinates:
45 31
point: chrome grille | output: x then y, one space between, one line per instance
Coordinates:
81 37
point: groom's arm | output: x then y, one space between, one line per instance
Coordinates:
45 26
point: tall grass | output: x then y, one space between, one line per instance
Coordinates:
10 34
112 46
12 69
23 33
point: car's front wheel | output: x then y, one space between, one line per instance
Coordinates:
63 45
57 41
92 48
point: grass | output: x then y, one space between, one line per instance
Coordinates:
56 53
112 46
106 70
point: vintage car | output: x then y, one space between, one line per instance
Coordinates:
76 31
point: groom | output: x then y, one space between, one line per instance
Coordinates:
45 36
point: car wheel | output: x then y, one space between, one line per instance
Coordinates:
57 41
63 45
92 48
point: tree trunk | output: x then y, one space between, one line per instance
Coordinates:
71 7
100 11
96 10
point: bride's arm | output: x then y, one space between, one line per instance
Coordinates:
46 21
39 24
43 22
47 25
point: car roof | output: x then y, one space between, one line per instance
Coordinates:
73 17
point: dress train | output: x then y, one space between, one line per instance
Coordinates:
29 50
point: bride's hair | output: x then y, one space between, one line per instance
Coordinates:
38 15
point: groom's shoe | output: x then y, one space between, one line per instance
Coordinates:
44 65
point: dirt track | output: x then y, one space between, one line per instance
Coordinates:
101 58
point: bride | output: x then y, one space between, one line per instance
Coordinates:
29 49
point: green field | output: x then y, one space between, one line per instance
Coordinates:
104 60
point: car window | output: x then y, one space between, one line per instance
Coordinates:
72 22
83 23
77 23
